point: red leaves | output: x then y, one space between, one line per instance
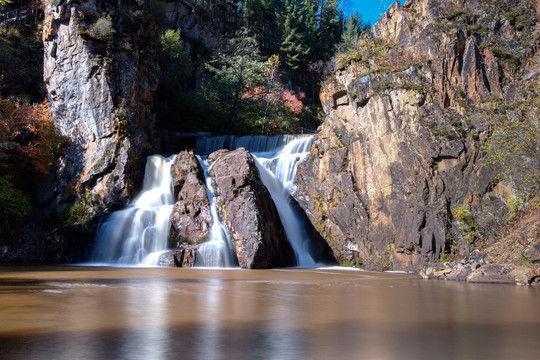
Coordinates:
28 137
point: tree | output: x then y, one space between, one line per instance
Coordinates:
293 22
329 28
236 67
513 149
28 137
353 28
173 80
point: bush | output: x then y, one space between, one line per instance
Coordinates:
28 138
513 149
14 203
102 29
81 212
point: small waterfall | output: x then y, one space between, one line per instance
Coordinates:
139 233
277 173
254 144
277 158
217 251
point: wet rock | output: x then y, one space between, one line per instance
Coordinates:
459 274
183 257
527 275
73 243
191 218
247 208
492 273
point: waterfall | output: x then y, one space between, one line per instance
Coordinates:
254 144
277 173
139 233
217 251
277 158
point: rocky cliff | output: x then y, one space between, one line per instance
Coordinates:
100 73
396 176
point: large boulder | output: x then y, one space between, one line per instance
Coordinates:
247 208
191 218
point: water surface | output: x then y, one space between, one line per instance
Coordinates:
159 313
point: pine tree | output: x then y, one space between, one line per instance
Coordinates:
350 35
329 28
294 25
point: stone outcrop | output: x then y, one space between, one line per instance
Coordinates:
475 269
400 152
198 29
184 257
191 218
100 72
247 208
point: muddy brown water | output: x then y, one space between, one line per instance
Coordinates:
158 313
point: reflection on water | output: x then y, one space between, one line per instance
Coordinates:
135 313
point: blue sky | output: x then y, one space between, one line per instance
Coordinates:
370 10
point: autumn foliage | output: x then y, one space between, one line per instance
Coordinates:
28 137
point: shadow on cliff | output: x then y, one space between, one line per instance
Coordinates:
319 249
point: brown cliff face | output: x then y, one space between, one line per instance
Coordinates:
100 73
400 151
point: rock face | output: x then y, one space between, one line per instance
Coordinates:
247 208
191 218
400 153
100 73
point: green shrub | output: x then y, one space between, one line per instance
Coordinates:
414 87
467 225
80 212
14 204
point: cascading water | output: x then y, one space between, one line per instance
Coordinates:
277 173
217 251
254 144
139 233
277 158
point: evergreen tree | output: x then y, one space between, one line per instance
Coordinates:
235 68
329 28
293 21
350 35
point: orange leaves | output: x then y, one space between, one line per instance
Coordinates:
28 137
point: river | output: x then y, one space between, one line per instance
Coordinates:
71 312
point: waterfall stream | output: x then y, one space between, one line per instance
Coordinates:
277 173
217 251
277 158
138 235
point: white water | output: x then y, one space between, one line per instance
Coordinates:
277 158
277 171
253 144
138 235
217 251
